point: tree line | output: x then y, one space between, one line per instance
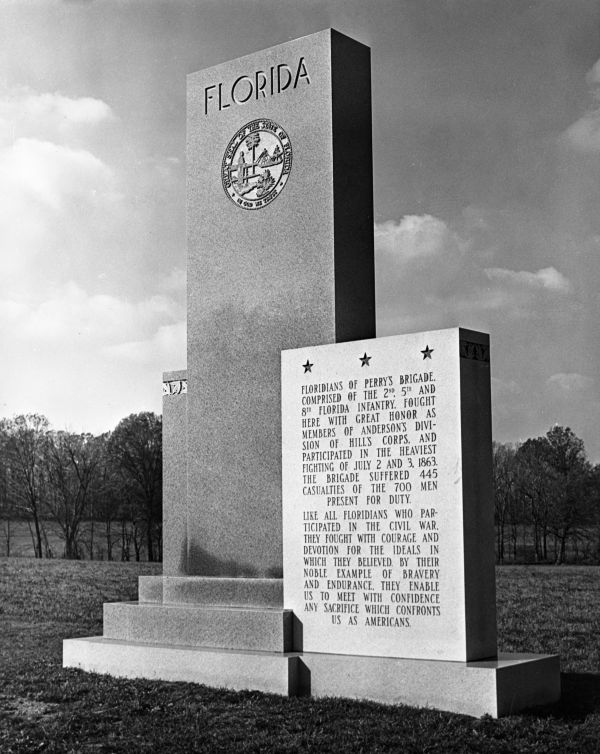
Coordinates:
547 500
101 496
98 496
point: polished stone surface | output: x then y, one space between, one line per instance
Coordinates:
388 501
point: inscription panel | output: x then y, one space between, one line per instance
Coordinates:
372 496
174 387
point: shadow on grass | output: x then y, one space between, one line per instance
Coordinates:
580 697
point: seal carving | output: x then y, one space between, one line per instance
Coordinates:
256 164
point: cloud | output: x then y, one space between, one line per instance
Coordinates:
90 314
415 236
72 317
592 78
549 278
176 280
86 359
51 116
584 134
166 347
52 197
54 191
570 382
505 389
429 276
41 171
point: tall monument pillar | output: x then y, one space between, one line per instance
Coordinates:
280 255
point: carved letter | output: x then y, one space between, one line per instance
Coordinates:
301 73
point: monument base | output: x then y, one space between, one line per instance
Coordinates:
487 687
490 687
271 672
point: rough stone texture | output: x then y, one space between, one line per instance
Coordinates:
150 588
297 271
174 478
493 687
263 629
224 591
271 672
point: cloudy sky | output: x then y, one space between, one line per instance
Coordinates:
487 193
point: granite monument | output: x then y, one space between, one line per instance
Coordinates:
362 563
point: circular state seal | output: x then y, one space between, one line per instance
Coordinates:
256 164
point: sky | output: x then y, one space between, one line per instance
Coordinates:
486 133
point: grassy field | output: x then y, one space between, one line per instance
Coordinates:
44 708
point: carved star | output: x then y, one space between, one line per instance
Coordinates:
364 360
308 366
427 352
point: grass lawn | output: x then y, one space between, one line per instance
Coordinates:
44 708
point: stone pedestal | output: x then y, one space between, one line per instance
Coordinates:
498 687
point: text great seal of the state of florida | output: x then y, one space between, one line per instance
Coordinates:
256 164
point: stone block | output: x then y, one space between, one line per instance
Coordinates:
270 672
495 687
263 629
150 588
500 687
223 591
387 496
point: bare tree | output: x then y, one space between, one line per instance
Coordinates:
107 498
537 484
136 449
71 465
572 501
505 492
559 488
25 437
7 512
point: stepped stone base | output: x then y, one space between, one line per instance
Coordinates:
271 672
234 633
209 626
210 590
493 687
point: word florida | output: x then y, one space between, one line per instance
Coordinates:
274 80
